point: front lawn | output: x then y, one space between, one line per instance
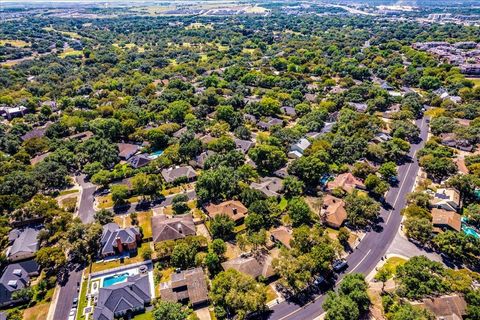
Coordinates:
82 300
145 222
391 265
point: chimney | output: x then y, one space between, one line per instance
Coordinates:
234 210
179 228
119 244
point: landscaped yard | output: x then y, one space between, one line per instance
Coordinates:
271 295
391 265
476 81
101 266
106 202
144 221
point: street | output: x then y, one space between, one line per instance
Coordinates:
376 242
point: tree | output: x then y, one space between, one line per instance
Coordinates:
183 255
212 262
218 246
437 168
388 170
237 293
221 226
217 184
420 277
355 287
405 130
299 212
361 210
165 310
377 186
104 216
51 259
145 185
119 194
340 308
24 294
179 203
467 184
343 235
308 169
292 187
267 158
295 272
459 246
419 230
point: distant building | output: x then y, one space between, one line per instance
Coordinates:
289 111
443 220
118 241
175 173
12 112
446 199
451 307
122 299
188 286
232 208
172 228
82 136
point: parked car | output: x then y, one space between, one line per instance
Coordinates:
339 265
75 301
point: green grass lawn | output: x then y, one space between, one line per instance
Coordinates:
283 204
101 266
69 191
476 81
391 265
144 316
82 300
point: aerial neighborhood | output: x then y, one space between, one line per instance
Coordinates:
239 160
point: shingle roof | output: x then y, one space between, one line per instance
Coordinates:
126 150
123 297
333 212
188 284
111 231
446 218
172 174
446 306
345 181
178 227
14 278
232 208
258 265
25 242
283 235
270 186
139 160
243 145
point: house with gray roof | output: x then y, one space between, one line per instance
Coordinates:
139 160
202 157
270 186
165 228
118 241
24 244
289 111
297 149
243 145
14 278
175 173
126 298
186 286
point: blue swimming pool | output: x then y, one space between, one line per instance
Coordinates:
116 278
156 154
471 232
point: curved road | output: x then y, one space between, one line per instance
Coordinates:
376 242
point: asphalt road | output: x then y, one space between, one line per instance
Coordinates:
68 290
85 209
376 242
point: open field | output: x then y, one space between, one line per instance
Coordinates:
37 312
14 43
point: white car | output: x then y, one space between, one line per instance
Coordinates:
73 313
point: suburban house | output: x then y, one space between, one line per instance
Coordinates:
333 212
268 123
188 286
180 132
447 199
382 137
118 241
345 181
451 140
36 133
250 118
126 298
82 136
202 157
359 107
165 228
270 186
175 173
243 145
452 307
12 112
281 173
232 208
289 111
297 149
14 278
139 160
281 235
253 265
24 244
443 220
127 150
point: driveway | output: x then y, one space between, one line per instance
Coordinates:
86 212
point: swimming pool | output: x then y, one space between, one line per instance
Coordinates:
116 278
156 154
471 232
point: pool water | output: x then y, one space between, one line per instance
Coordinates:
117 278
471 232
156 154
